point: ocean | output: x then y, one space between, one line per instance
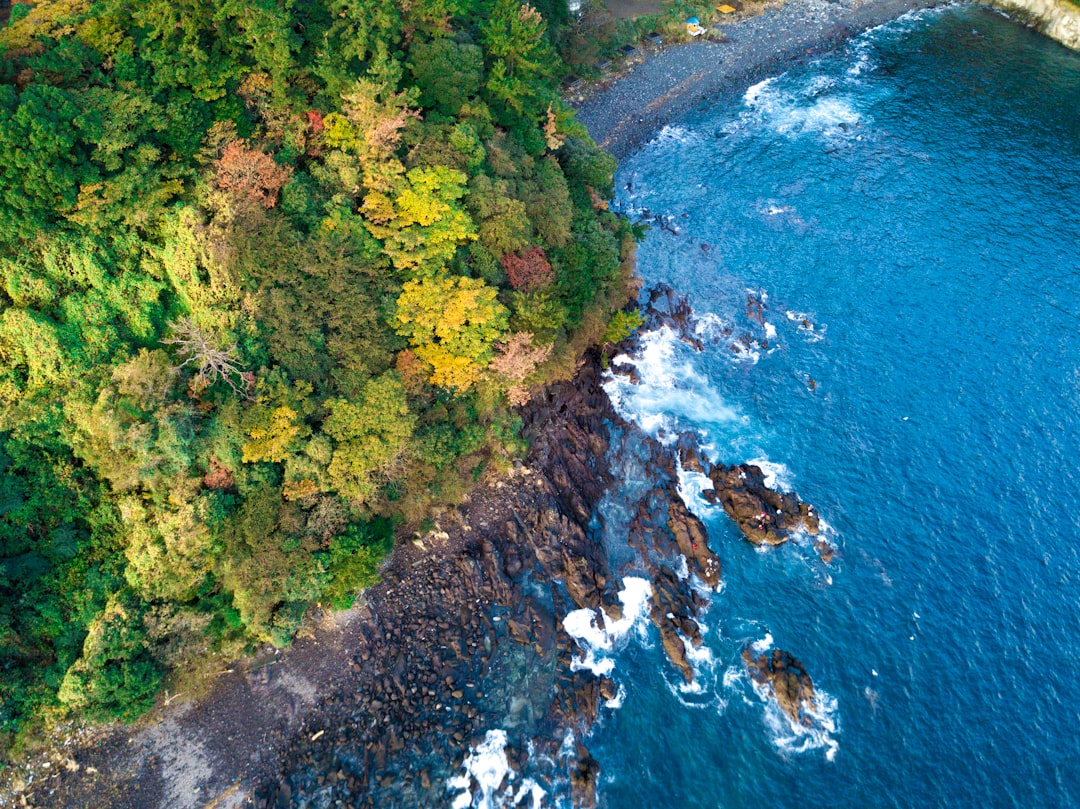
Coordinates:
882 250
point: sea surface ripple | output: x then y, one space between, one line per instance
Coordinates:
906 209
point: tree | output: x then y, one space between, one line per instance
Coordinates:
212 364
369 435
116 677
515 360
528 270
250 175
422 227
43 161
523 61
448 73
452 324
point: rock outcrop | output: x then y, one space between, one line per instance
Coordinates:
765 516
790 684
1057 19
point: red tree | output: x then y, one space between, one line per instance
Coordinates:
528 270
250 174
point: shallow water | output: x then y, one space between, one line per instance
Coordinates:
905 210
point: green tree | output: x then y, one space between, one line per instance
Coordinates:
448 73
369 436
523 63
422 227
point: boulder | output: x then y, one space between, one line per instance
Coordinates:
785 675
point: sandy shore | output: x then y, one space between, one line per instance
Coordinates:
627 111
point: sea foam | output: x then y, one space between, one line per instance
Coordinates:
669 391
597 633
487 765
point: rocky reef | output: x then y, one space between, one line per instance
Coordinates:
764 515
787 679
465 632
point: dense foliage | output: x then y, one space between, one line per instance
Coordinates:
272 274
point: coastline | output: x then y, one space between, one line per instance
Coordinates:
265 713
628 110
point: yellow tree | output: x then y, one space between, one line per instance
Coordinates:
452 324
423 224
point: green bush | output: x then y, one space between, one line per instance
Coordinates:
354 560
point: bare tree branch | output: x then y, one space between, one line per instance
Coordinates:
214 364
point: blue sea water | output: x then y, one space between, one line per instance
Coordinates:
908 210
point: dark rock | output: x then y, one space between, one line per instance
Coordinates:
608 689
583 778
787 678
765 516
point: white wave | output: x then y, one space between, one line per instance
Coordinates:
745 353
670 390
597 633
712 327
763 645
778 476
776 210
755 91
682 568
863 56
703 663
568 747
770 330
813 332
690 486
818 85
795 114
674 134
616 701
733 677
790 737
488 766
530 789
786 734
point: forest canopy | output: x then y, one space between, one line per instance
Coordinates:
273 275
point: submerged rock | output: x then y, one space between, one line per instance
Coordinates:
790 684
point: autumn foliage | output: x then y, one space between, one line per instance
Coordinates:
250 174
270 274
515 360
528 270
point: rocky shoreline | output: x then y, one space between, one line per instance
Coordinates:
630 109
378 706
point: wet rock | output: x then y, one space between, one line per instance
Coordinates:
608 689
785 675
583 778
672 609
765 516
666 308
825 550
690 455
693 542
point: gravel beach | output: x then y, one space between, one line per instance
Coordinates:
628 110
